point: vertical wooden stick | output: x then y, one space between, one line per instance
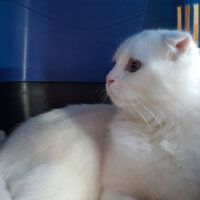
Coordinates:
187 18
179 18
196 23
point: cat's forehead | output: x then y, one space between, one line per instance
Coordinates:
141 46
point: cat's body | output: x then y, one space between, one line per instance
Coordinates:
148 148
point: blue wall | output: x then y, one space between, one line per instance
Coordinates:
71 40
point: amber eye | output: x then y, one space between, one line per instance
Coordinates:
133 65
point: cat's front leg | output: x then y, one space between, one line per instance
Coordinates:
113 195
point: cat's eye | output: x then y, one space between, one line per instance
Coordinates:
133 65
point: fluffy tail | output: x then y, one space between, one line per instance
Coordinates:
2 137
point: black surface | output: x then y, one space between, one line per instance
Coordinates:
21 100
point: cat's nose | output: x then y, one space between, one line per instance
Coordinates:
109 81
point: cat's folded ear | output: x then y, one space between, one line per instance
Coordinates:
178 43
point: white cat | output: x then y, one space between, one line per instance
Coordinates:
147 148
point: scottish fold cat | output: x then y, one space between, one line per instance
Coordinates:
144 147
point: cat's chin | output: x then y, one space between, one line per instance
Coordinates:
115 99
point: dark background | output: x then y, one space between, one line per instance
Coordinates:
21 100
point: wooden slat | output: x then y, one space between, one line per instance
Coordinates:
196 23
179 18
187 18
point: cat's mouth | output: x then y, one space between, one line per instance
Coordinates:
109 91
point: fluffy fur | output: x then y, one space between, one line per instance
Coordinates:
146 148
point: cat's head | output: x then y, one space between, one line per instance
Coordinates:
158 67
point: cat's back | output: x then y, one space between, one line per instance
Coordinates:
57 129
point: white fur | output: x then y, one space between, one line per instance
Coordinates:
149 149
56 155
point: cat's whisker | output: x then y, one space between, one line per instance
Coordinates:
105 97
151 112
143 106
123 105
101 92
131 112
141 115
159 111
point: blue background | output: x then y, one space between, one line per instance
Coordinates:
71 40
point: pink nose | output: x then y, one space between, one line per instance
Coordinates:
108 81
